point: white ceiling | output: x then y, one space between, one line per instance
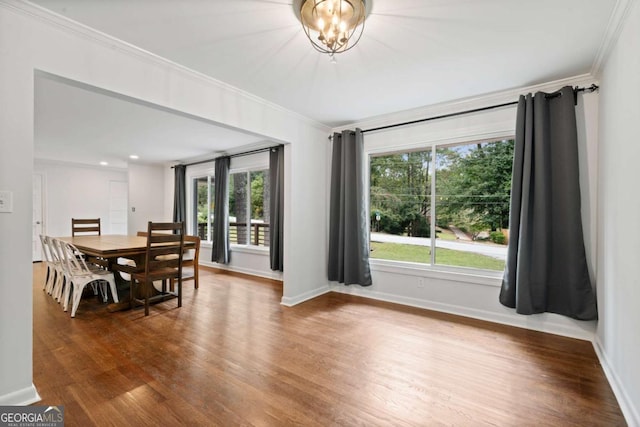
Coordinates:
85 125
413 52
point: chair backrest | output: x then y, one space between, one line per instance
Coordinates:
46 254
72 260
54 250
165 246
196 253
85 226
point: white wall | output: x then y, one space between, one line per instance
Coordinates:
75 191
33 39
146 196
456 292
16 168
619 227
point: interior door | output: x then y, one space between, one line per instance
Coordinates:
37 225
118 201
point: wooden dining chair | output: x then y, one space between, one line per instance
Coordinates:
162 262
190 262
85 226
88 227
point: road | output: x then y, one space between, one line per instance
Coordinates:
494 251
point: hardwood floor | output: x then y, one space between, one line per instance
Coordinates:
232 355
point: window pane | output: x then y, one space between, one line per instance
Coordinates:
473 183
400 206
201 210
238 201
260 208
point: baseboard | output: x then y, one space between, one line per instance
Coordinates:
23 397
541 323
629 410
291 301
275 275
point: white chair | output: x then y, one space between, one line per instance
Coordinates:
48 261
55 286
79 276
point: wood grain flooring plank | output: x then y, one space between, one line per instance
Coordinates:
234 356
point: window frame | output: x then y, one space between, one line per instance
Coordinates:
431 269
245 163
193 204
248 171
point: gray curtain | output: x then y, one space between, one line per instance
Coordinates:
276 207
220 237
179 194
546 267
348 224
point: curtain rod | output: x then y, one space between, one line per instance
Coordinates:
576 89
246 153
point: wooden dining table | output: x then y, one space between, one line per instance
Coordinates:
110 247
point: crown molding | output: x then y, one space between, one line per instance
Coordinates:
470 103
618 18
92 35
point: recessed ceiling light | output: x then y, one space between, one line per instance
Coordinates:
104 163
134 157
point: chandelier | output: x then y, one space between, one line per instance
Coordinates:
333 26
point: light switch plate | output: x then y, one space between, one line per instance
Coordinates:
6 201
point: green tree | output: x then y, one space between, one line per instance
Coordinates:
476 184
401 192
257 195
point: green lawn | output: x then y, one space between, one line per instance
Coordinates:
446 234
422 254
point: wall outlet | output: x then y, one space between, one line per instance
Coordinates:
421 283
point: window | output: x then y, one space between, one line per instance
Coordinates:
249 208
446 205
203 196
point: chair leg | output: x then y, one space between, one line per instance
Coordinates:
147 291
66 294
132 293
195 277
77 296
114 289
46 279
179 292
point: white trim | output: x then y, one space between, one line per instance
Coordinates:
616 23
629 410
273 275
542 323
474 276
464 104
22 397
249 249
291 301
471 136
